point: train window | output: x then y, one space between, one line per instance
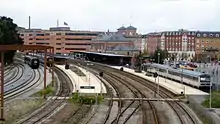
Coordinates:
87 87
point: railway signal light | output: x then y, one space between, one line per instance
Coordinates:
101 74
155 74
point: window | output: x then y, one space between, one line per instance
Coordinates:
42 39
75 48
21 34
43 43
39 34
58 38
77 39
58 43
47 34
58 33
82 34
79 43
58 48
30 43
30 34
30 38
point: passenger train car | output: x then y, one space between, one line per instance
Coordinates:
192 78
33 62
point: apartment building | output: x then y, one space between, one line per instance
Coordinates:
152 42
180 44
62 39
205 40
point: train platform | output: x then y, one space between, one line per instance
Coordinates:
172 86
83 83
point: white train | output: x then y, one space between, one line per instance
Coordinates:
192 78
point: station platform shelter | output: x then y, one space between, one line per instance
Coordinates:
110 59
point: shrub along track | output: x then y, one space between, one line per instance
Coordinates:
185 117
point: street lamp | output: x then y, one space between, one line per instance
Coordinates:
211 49
158 59
210 95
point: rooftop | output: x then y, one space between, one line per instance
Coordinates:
128 28
116 37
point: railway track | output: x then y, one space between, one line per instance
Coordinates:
182 113
23 86
112 78
16 74
49 108
138 94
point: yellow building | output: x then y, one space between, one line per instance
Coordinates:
205 40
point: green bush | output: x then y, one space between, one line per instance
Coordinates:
49 90
215 100
84 99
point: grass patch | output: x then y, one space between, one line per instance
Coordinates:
215 100
86 99
20 108
50 90
77 71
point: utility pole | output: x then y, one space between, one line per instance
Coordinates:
182 76
217 77
210 95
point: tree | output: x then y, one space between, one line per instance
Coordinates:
162 56
9 36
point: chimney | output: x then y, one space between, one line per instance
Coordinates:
29 27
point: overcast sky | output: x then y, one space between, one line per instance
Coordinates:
145 15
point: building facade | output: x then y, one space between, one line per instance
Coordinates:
115 43
130 33
180 44
152 42
206 40
62 39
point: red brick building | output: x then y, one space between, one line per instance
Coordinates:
180 44
153 42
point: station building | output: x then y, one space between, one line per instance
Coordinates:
62 39
66 41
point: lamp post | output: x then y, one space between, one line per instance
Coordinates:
158 59
211 49
210 95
